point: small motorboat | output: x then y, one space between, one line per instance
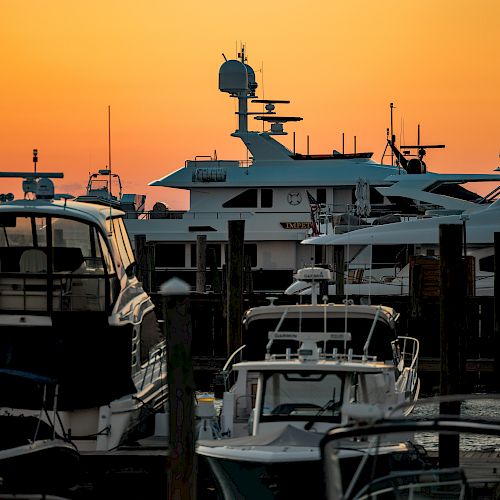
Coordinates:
318 372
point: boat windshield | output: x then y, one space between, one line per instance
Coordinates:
301 395
43 254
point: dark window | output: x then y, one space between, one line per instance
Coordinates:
487 264
213 249
321 195
318 254
375 196
170 255
250 251
247 199
266 198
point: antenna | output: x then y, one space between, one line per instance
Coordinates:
109 149
393 139
35 159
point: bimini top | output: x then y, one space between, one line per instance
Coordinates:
354 311
59 208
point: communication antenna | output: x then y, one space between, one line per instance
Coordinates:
109 150
393 138
35 159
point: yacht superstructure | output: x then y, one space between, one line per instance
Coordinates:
282 196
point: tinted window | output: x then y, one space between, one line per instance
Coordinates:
121 242
487 264
170 255
247 199
375 196
266 198
321 195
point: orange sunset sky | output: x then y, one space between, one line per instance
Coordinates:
156 64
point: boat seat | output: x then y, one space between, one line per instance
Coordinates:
355 276
33 260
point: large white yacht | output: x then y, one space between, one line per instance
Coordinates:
282 195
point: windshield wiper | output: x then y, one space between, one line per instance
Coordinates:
329 405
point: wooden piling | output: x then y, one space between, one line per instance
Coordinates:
338 265
201 263
452 305
234 283
182 469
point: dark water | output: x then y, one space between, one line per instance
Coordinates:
483 407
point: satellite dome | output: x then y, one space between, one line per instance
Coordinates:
233 77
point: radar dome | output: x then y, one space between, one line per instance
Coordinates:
415 166
233 77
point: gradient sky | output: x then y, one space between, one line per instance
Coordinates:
156 64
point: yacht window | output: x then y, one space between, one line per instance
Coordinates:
211 250
16 232
302 395
250 251
25 232
487 264
318 254
106 256
266 198
321 195
170 255
375 197
122 246
247 199
126 240
23 244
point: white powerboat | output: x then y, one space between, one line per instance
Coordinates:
105 187
282 195
319 371
72 310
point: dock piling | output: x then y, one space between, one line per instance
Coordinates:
452 306
182 469
234 283
201 263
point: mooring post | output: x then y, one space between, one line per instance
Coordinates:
234 283
338 265
496 302
452 304
201 263
182 464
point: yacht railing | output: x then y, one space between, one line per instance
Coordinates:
444 483
155 363
48 292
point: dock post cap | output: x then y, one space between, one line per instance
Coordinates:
175 286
